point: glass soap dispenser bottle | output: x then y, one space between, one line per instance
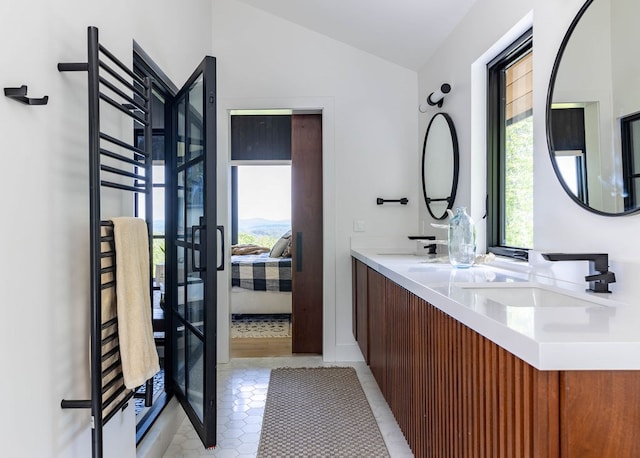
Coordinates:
462 239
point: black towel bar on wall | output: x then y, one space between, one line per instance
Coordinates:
108 75
20 94
403 201
444 199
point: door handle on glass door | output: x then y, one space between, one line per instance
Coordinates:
201 246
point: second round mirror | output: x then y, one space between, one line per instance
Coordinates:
593 111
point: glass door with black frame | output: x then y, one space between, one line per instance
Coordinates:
194 249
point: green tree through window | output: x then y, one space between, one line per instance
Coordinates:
519 183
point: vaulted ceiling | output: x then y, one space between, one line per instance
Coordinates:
405 32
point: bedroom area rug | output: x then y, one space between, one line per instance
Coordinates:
259 326
312 412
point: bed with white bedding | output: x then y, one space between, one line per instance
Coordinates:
261 284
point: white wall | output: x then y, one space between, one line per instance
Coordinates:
44 202
467 49
370 139
559 224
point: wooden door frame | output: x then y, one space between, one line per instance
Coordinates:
300 105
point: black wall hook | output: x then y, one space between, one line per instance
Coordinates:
20 94
403 201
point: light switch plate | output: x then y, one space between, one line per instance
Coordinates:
359 225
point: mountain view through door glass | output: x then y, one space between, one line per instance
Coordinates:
264 203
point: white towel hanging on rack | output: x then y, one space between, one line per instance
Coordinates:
138 352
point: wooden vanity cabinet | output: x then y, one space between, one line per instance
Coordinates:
377 328
455 393
360 308
600 413
368 317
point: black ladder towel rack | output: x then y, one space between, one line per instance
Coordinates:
118 164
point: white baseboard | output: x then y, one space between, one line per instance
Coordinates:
159 437
348 352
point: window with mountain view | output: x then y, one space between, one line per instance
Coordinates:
263 198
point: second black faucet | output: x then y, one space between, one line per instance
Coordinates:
599 274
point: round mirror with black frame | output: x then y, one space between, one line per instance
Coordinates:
440 165
593 109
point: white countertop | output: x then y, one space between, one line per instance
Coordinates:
596 337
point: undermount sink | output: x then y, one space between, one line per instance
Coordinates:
534 295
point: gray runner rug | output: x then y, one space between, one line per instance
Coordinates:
318 412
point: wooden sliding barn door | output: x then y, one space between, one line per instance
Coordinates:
306 222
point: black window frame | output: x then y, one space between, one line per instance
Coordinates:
630 169
143 64
496 94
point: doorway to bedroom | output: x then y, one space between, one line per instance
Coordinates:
261 259
276 233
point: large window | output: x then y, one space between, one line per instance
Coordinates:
263 199
510 150
260 176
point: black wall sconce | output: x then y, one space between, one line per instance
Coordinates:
436 98
20 94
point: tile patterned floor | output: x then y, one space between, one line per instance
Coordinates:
242 390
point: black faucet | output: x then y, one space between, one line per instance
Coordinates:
599 274
431 247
